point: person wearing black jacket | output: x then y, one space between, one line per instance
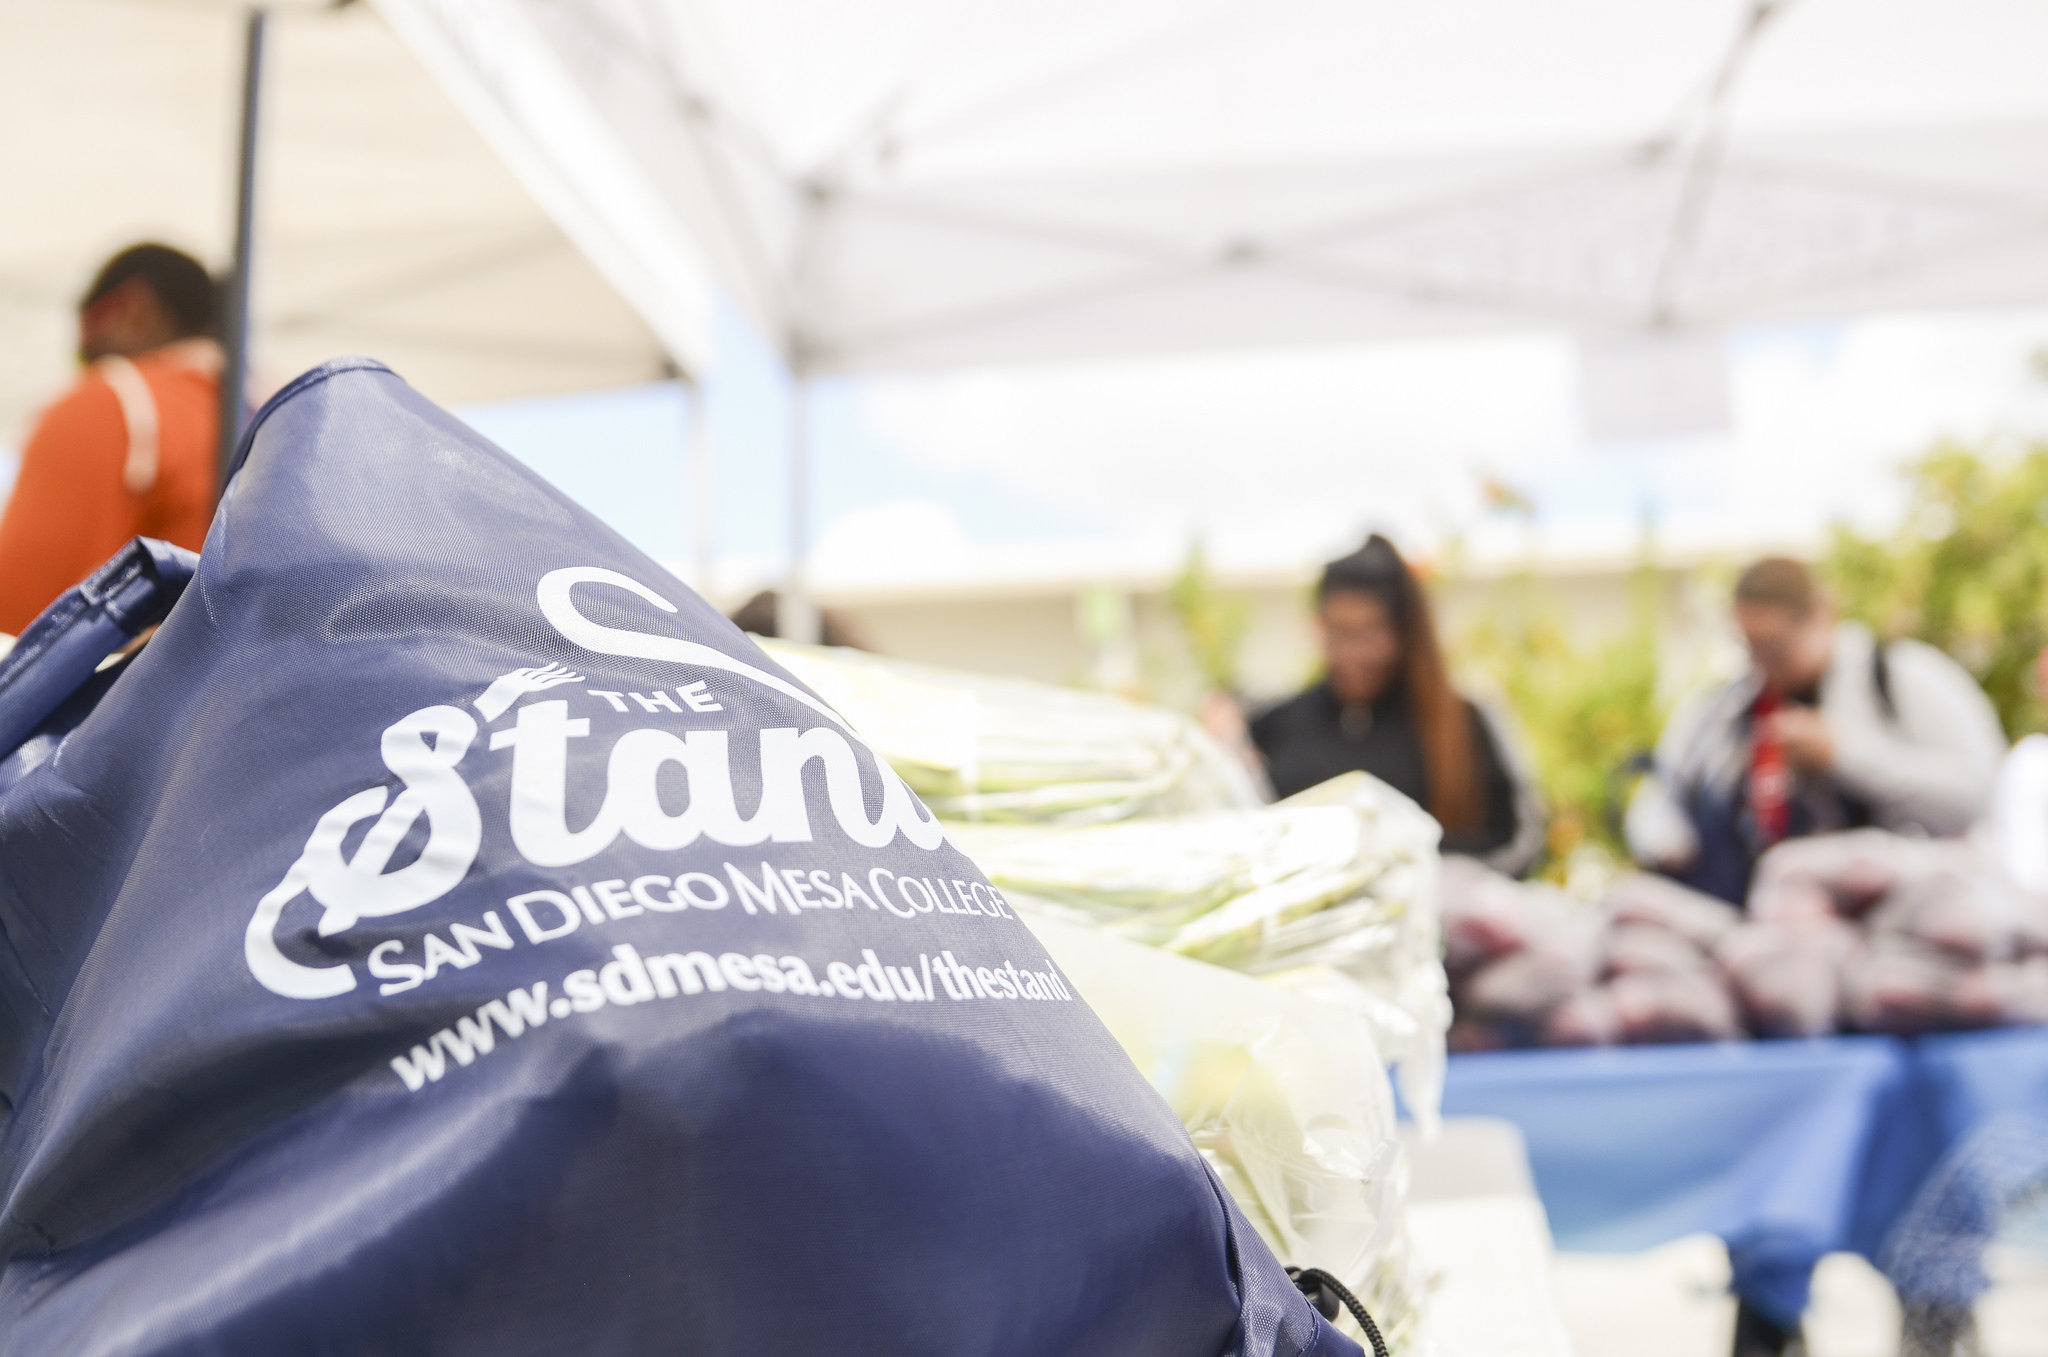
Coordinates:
1386 706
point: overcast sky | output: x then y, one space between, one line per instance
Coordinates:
1280 457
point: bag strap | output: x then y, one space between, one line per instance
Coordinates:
1325 1291
67 642
1881 679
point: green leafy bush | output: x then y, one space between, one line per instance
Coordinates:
1585 708
1212 620
1966 572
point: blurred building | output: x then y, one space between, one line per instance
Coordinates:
1119 631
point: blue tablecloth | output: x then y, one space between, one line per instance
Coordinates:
1787 1150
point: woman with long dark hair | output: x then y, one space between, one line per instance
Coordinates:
1386 706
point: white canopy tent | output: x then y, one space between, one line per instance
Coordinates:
385 224
906 183
922 183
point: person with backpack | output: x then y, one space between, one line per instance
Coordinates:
1828 730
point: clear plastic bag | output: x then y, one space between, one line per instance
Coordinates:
977 747
1788 972
1285 1098
1331 894
1942 938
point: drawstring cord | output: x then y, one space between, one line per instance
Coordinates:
1324 1291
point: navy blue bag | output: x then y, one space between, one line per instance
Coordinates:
450 935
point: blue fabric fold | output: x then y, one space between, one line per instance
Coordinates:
450 935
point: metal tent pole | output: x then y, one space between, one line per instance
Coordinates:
796 616
700 484
234 320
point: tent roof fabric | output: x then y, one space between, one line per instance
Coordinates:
386 225
913 183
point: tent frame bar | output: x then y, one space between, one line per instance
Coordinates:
796 613
234 319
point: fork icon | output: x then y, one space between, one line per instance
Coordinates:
509 688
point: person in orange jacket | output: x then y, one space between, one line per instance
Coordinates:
131 449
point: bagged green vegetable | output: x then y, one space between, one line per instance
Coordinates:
1286 1099
979 748
1331 894
1132 819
